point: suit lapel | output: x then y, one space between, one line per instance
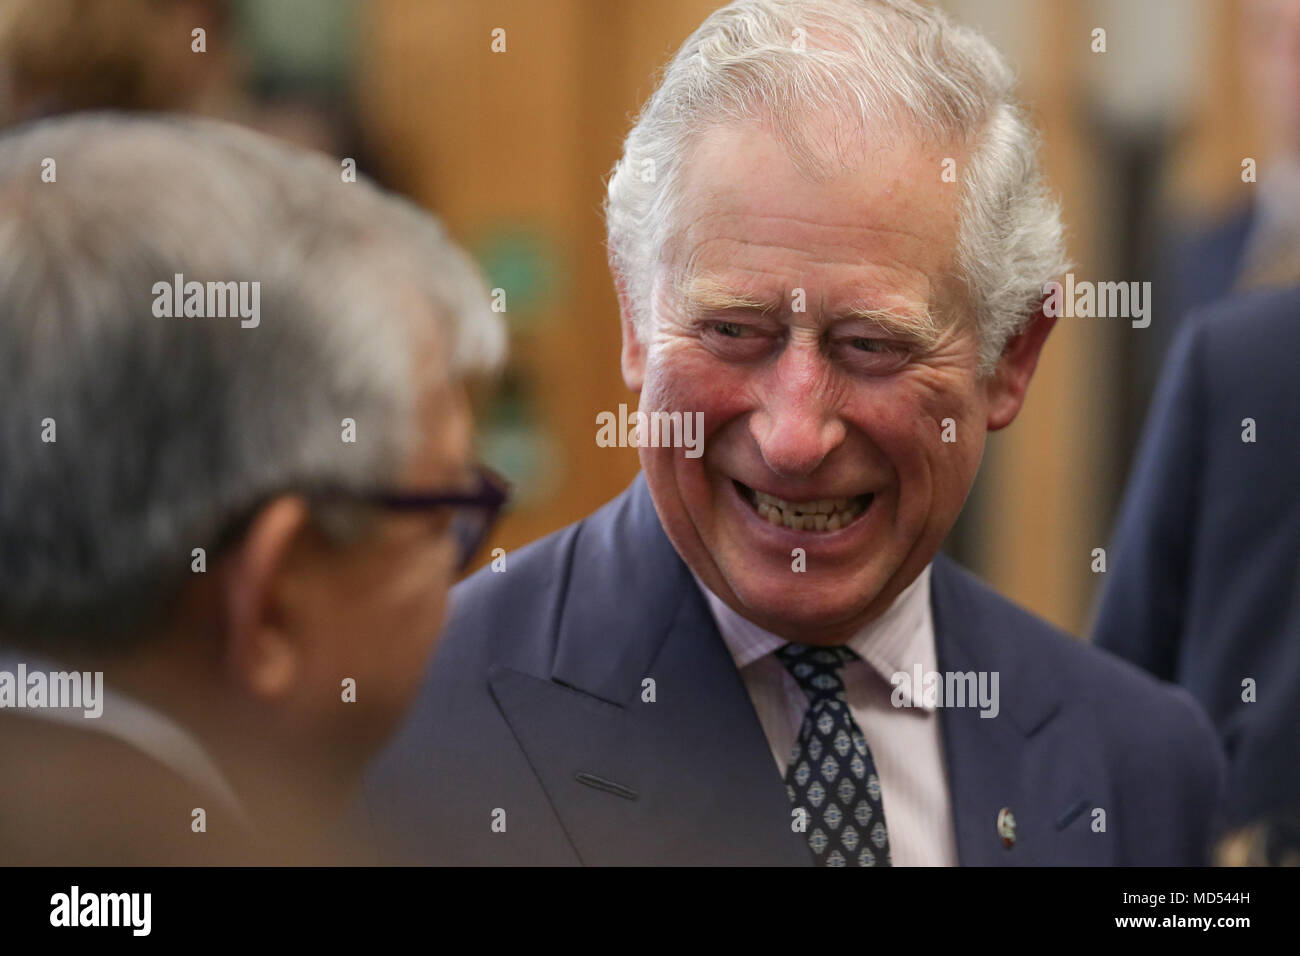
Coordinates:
1027 760
642 733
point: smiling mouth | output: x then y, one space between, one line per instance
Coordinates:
818 514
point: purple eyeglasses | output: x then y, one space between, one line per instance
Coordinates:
474 515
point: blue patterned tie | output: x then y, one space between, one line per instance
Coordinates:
831 773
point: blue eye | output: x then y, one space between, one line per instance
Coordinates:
729 329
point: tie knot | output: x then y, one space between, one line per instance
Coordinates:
816 669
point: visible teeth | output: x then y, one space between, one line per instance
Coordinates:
816 506
822 514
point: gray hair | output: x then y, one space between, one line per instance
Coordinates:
868 61
170 429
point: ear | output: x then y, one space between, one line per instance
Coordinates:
1006 387
261 652
633 349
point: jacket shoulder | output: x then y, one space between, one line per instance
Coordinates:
1155 740
1248 343
1084 673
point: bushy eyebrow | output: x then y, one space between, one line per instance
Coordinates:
922 329
703 293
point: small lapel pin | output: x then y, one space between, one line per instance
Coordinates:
1007 827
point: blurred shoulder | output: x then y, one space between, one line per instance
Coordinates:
1246 334
1127 705
77 797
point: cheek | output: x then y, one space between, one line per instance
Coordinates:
671 377
690 379
405 608
417 593
410 615
948 441
931 437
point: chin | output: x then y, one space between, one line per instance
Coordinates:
798 606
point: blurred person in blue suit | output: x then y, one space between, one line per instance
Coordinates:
1261 815
1204 568
1253 245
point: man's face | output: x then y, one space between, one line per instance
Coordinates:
824 428
380 602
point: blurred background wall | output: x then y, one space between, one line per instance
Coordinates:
511 147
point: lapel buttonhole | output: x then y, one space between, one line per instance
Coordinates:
609 786
1070 815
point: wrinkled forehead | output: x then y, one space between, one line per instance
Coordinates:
746 207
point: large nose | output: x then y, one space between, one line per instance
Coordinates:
797 424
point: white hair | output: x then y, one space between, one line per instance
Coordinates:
170 430
869 62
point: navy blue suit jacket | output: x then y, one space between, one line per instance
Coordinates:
1203 264
534 707
1204 569
1197 266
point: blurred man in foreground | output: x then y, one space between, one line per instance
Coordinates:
235 485
830 239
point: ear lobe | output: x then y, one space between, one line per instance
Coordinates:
633 357
261 652
1007 386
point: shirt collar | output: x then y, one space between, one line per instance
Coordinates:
897 641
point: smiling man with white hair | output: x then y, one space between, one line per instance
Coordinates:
829 234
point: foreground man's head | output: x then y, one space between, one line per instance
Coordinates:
830 236
230 389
